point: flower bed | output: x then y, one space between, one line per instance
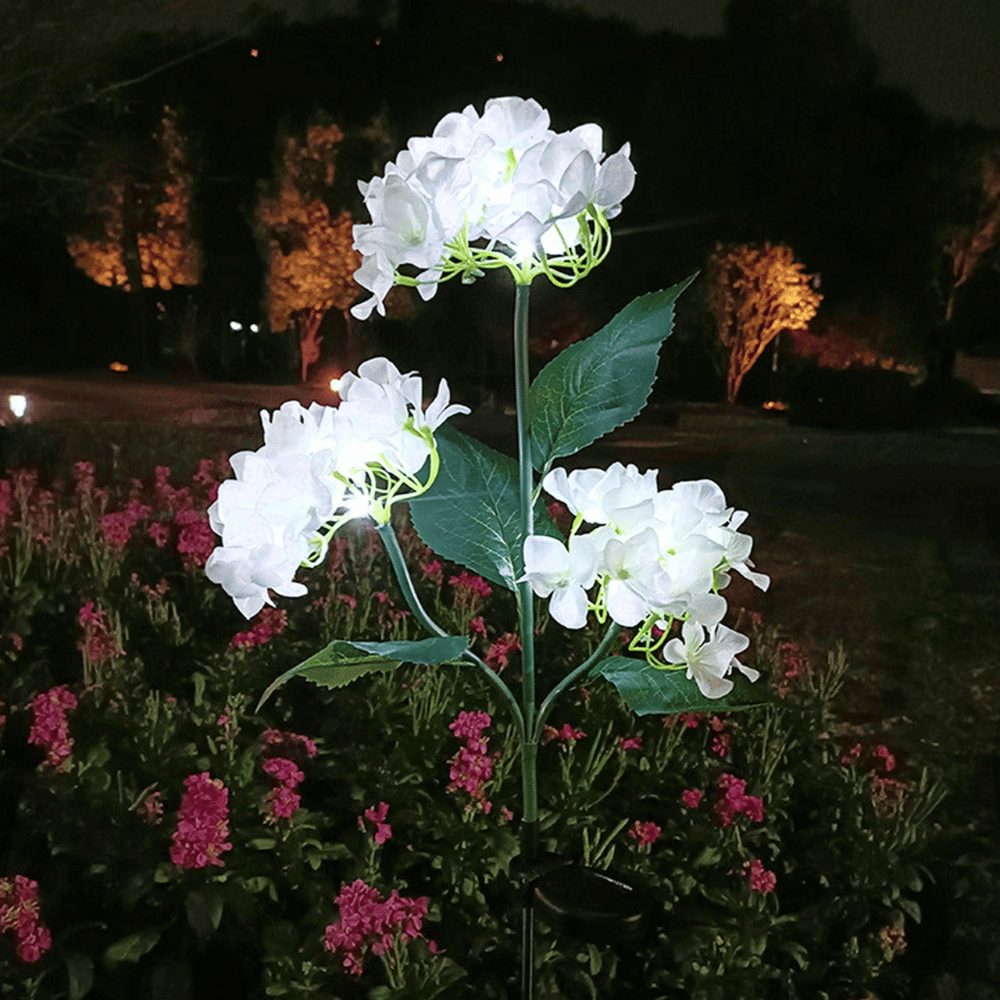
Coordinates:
161 835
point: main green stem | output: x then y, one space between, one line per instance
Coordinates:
525 597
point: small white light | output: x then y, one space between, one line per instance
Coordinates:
357 506
335 385
18 404
235 324
254 327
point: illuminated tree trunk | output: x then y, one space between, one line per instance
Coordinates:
132 262
309 322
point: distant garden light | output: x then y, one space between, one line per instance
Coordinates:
118 366
335 384
18 404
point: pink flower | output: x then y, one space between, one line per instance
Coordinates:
98 644
888 760
150 808
196 539
159 533
433 571
497 657
351 602
470 591
851 756
202 823
370 924
477 626
275 743
282 801
691 797
117 527
760 879
377 816
645 834
629 743
269 623
20 917
205 476
723 741
567 734
50 728
472 767
735 802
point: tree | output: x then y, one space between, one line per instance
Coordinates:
755 293
308 248
144 235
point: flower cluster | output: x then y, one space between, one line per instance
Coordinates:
734 801
19 917
377 815
370 923
655 556
50 727
272 622
320 467
503 178
294 746
282 801
472 766
565 734
758 877
644 834
202 823
99 643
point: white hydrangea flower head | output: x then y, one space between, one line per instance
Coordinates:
538 201
709 654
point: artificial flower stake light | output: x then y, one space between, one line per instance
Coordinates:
502 189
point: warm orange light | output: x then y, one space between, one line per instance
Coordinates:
774 404
118 366
499 57
253 53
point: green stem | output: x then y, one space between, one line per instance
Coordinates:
412 599
525 597
543 712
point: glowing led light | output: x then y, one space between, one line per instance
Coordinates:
235 324
118 366
357 506
254 327
499 57
253 53
335 385
18 404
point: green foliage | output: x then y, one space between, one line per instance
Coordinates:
647 689
470 513
178 701
602 382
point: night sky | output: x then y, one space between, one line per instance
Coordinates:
945 51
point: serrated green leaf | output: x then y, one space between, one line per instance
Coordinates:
648 690
132 947
470 513
344 661
602 382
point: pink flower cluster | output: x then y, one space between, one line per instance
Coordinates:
371 924
734 801
472 766
566 735
202 823
277 743
470 591
629 743
282 800
195 540
117 526
497 657
270 622
377 815
98 643
760 879
691 797
50 727
722 742
644 834
20 917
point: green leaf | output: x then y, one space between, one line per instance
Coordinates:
80 976
204 911
602 382
343 661
470 513
648 690
131 948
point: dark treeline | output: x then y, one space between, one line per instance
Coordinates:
777 131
